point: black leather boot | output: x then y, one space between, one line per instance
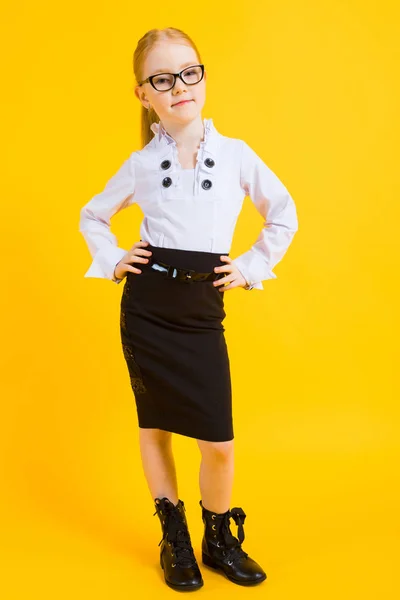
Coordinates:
181 571
221 550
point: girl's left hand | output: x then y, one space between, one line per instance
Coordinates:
234 277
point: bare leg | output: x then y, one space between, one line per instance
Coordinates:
216 474
158 463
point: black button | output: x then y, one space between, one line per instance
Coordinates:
206 184
167 181
165 164
209 162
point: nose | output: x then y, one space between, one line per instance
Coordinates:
179 84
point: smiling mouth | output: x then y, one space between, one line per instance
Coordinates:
182 102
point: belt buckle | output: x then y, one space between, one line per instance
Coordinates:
185 275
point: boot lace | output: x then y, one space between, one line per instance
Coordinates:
177 535
233 550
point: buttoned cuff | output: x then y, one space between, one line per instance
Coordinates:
116 280
104 263
254 269
257 285
251 283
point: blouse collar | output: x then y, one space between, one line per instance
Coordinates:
162 137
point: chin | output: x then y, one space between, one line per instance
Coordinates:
189 116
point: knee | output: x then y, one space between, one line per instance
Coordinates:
216 451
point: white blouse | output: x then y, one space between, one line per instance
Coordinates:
193 209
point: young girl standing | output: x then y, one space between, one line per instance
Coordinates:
190 181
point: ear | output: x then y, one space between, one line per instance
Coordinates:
140 95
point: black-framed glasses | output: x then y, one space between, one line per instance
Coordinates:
162 82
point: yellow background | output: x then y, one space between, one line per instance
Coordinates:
313 88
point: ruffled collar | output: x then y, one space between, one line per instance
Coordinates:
160 133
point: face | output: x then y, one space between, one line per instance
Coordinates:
172 57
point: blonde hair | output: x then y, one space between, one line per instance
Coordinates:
144 46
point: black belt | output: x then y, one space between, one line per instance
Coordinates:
186 275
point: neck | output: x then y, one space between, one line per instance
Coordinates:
186 135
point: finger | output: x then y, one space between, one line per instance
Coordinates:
142 252
221 270
132 269
226 258
218 282
232 285
224 269
136 258
227 288
222 281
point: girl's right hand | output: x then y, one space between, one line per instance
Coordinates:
135 254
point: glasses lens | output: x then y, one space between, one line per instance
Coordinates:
192 75
163 81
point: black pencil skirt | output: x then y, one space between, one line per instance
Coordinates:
174 346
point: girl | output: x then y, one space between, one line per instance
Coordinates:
190 181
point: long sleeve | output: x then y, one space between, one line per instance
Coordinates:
274 203
95 218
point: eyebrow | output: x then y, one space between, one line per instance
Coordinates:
188 64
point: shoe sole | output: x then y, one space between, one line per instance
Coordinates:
182 588
210 563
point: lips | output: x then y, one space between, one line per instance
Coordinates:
182 102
